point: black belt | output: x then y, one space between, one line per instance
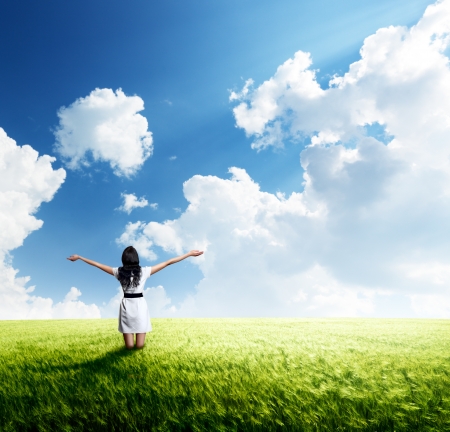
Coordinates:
129 295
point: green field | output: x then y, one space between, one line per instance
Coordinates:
227 374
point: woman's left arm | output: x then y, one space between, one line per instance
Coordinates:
158 267
103 267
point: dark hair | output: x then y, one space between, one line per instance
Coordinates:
130 268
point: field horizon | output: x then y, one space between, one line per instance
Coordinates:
249 374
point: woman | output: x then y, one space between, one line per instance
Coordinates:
133 312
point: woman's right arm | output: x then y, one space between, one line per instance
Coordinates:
103 267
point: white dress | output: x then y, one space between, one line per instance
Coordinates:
133 312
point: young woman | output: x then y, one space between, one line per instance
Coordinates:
133 313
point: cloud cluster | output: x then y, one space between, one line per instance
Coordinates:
27 180
370 223
71 307
131 201
105 125
400 81
258 261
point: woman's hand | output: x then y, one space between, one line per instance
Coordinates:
195 253
103 267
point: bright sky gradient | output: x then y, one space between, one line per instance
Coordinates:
305 146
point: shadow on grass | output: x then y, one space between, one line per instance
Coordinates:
113 361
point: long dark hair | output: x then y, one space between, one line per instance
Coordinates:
130 268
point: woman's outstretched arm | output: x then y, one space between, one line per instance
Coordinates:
160 266
103 267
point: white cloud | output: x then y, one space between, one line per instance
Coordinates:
426 273
142 244
26 181
247 236
110 309
372 216
70 307
130 202
107 126
243 93
431 306
159 304
399 81
18 304
260 253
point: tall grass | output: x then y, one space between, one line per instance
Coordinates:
227 374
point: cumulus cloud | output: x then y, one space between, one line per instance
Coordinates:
71 307
104 126
142 244
257 261
243 93
27 180
397 82
131 201
370 221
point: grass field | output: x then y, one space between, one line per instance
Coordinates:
227 374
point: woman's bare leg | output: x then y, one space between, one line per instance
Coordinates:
140 340
129 340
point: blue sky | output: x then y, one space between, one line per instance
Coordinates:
182 59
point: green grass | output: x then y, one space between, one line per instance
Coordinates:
227 374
